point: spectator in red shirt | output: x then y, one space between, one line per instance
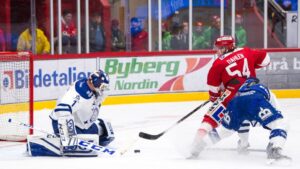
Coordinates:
68 28
2 41
139 37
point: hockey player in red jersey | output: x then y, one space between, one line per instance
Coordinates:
229 71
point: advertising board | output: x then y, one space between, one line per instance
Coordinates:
138 75
283 72
52 77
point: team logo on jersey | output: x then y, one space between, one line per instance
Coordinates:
265 113
226 118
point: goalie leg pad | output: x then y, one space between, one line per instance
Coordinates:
80 151
67 130
43 146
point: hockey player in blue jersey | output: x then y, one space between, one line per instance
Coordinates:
76 115
252 103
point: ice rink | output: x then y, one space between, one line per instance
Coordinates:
166 152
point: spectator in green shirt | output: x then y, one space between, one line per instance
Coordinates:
201 36
166 37
240 32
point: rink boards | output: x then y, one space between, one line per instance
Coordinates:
145 77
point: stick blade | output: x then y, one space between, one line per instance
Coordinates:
149 136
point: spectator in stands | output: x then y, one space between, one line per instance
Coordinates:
215 29
2 41
69 32
25 41
139 37
200 40
185 33
212 30
117 37
177 40
176 18
240 32
97 34
166 37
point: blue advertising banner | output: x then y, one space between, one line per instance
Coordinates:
170 6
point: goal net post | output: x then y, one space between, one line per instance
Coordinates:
16 94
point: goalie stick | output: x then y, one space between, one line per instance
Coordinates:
80 142
154 137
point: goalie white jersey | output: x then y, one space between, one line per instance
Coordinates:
80 102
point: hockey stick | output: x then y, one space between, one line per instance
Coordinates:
80 142
154 137
30 127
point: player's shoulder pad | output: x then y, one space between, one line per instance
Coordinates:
83 89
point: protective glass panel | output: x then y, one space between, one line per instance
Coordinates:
206 24
282 18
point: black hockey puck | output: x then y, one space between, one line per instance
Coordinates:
137 151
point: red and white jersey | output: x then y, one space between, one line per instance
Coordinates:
232 69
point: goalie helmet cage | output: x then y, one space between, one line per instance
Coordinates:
16 94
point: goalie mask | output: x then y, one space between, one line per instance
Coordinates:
224 44
100 81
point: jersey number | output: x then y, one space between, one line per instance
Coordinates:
243 73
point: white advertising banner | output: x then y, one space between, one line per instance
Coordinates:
133 75
138 75
128 75
52 77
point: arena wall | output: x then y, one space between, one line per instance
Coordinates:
144 77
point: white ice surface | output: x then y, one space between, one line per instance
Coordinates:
165 152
